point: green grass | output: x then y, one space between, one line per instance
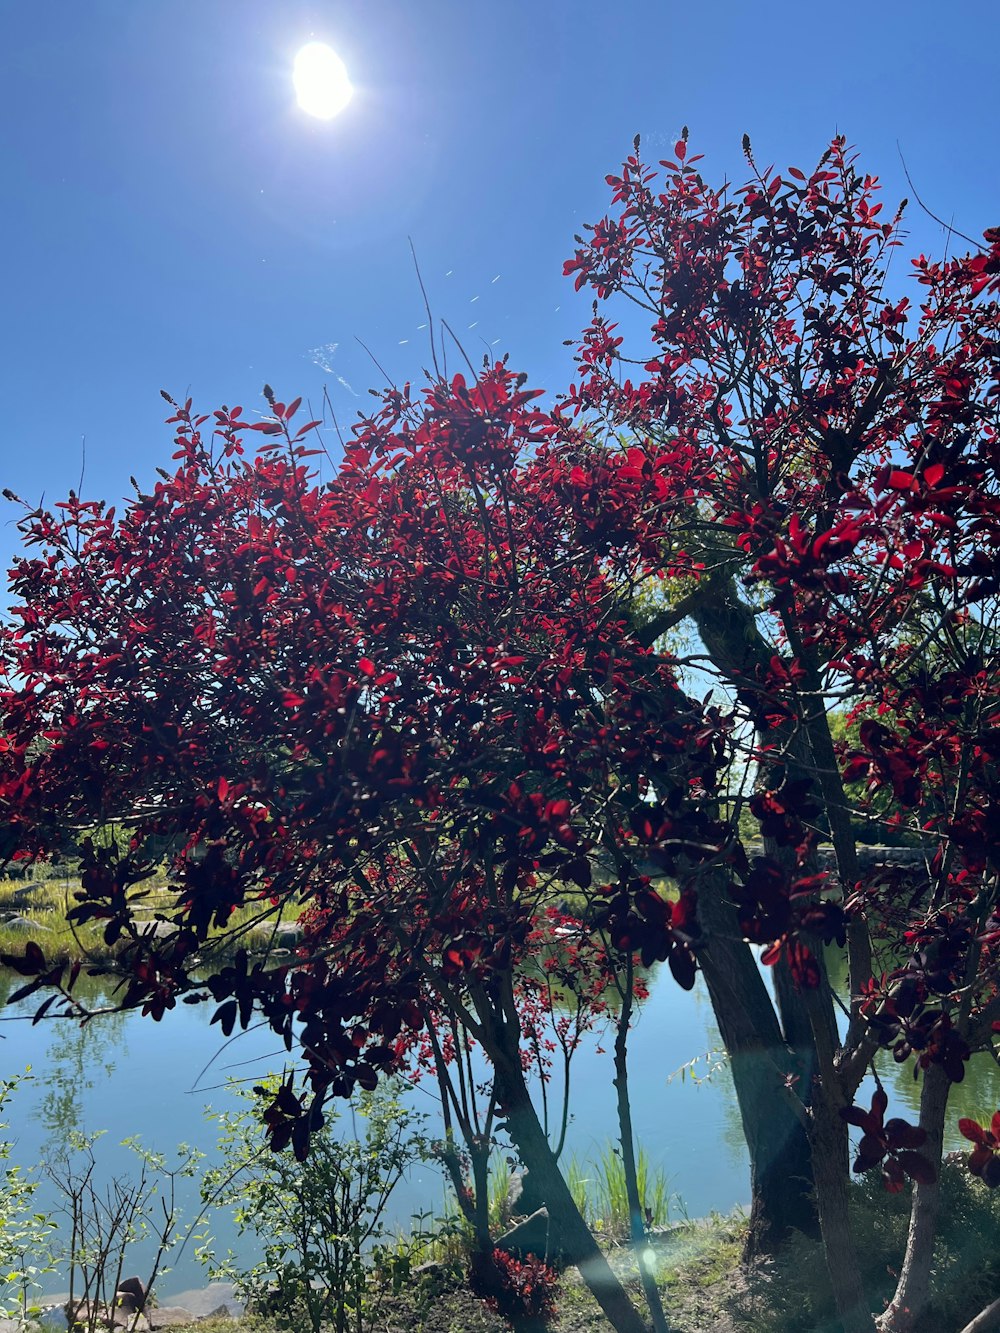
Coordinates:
598 1189
41 906
703 1287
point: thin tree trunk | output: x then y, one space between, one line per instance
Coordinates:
829 1156
985 1320
573 1235
913 1288
637 1224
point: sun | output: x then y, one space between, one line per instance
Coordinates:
321 83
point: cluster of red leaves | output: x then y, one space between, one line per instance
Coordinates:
305 693
889 1144
983 1160
528 1287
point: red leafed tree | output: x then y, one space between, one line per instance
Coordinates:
405 698
812 466
423 696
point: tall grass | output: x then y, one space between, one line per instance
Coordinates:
599 1191
498 1201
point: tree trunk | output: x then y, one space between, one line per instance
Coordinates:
574 1236
781 1178
829 1157
913 1288
985 1320
637 1223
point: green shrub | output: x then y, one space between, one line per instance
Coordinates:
25 1236
794 1295
327 1255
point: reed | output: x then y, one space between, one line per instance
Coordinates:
598 1188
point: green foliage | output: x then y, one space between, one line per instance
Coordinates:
327 1256
38 908
795 1295
25 1236
447 1238
498 1203
966 1269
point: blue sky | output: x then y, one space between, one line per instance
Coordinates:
170 219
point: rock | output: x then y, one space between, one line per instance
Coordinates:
282 938
288 935
170 1316
53 1317
158 930
431 1271
522 1196
83 1315
202 1301
23 923
132 1288
533 1236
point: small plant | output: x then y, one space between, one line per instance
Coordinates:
106 1224
525 1295
25 1236
321 1221
500 1177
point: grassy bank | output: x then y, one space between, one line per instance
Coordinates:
36 910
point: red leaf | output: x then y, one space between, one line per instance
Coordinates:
682 965
917 1167
933 474
901 1134
855 1116
856 767
971 1130
979 1158
680 150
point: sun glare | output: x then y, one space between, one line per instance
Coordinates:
321 83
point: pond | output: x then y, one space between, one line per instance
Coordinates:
127 1076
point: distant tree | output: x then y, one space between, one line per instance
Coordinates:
420 699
